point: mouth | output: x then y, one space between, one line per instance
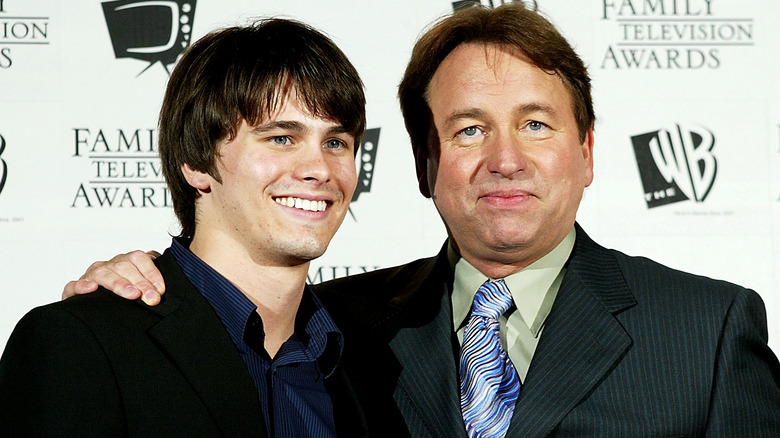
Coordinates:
302 204
506 194
507 198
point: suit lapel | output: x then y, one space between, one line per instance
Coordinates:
422 342
195 340
581 343
428 378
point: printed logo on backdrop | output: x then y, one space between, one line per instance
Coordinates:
3 178
3 166
325 273
19 32
124 169
676 164
672 35
153 31
462 4
365 162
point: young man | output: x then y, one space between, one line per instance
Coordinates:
258 153
499 111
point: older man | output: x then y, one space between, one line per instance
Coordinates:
523 326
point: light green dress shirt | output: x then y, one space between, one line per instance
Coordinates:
533 291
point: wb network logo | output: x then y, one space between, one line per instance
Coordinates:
462 4
150 30
676 164
366 161
3 166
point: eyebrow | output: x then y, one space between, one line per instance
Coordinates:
518 111
279 124
469 113
291 125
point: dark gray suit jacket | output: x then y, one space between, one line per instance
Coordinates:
630 349
99 365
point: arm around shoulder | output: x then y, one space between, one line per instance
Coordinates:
746 392
56 381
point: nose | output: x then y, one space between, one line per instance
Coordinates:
312 164
505 155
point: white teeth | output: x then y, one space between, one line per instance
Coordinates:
303 204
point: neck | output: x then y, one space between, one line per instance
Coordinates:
275 290
500 264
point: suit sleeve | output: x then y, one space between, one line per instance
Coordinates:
746 393
55 380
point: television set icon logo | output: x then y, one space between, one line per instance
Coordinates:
676 164
366 161
150 30
462 4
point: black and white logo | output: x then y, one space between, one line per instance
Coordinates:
125 169
20 31
462 4
150 30
325 273
366 162
672 34
3 166
676 164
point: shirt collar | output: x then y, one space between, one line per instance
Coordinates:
314 326
533 288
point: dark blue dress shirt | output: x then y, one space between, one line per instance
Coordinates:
292 384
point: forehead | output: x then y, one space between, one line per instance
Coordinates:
289 106
485 74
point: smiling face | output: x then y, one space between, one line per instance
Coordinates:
285 188
511 168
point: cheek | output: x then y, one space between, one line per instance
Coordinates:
568 176
344 176
457 169
255 166
346 172
451 187
568 165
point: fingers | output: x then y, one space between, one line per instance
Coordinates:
78 287
132 276
152 284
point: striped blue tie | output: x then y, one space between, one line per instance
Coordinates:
489 384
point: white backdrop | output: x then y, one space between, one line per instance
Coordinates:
79 179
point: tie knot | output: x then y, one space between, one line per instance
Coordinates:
492 300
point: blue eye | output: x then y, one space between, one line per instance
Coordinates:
535 126
280 140
471 130
334 144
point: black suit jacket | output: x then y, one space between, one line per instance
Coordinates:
630 348
100 365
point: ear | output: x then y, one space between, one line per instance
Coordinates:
426 159
421 162
199 180
587 155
